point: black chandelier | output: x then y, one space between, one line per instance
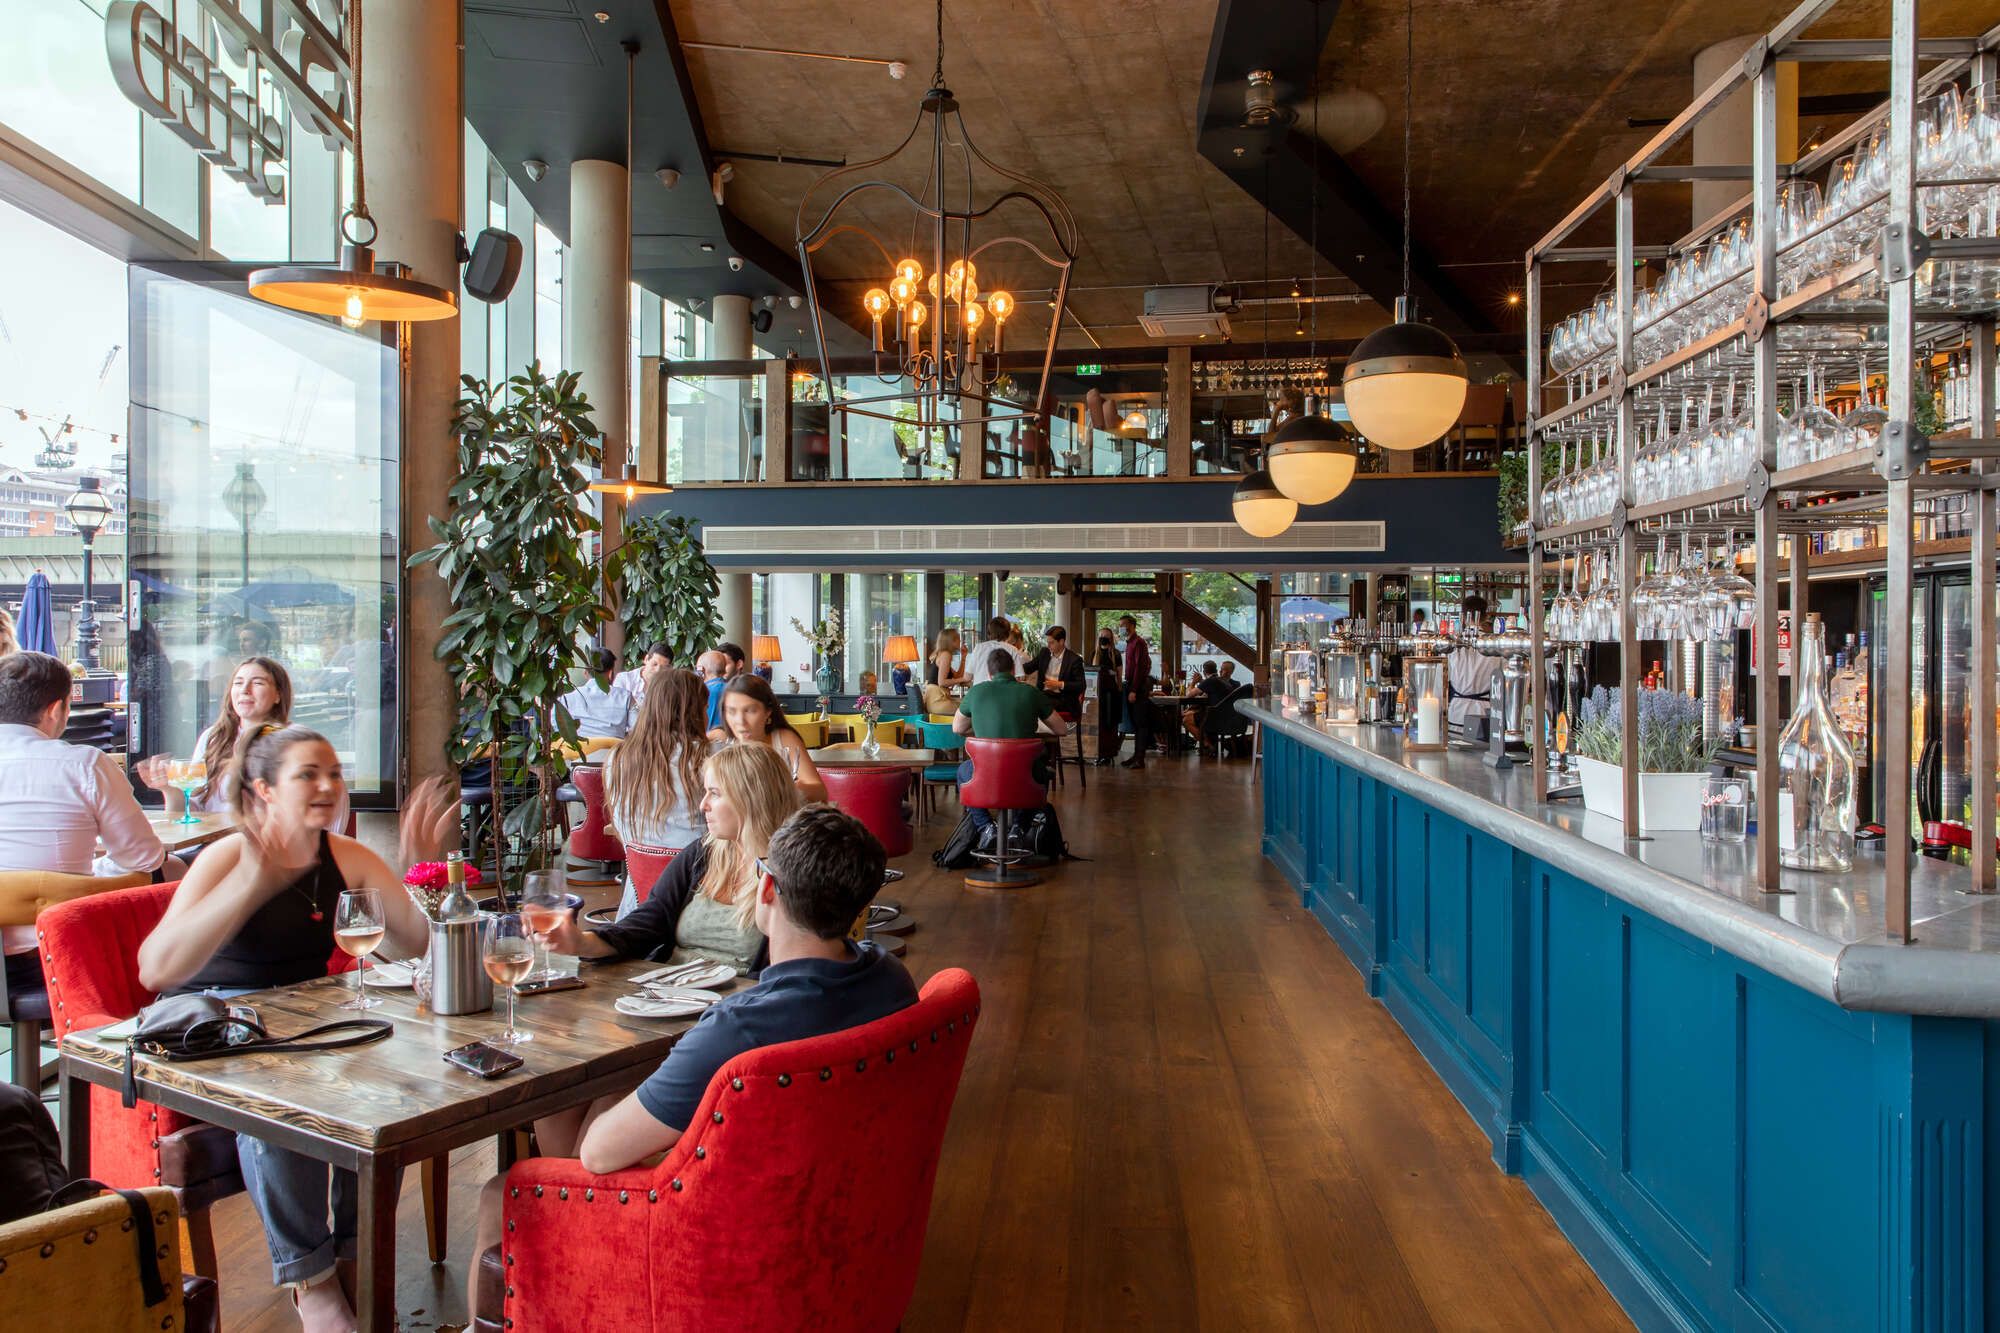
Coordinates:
937 333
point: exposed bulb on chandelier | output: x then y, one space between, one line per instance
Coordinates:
903 291
910 271
353 317
1002 305
918 313
974 316
876 302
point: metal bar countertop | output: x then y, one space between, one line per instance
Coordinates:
1823 933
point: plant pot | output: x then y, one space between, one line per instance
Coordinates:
1668 802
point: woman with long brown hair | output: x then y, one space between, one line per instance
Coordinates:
702 905
750 714
259 695
652 782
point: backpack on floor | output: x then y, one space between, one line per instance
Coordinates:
970 836
1040 835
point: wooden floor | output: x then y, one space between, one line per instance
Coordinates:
1180 1111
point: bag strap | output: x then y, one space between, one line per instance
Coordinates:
143 1235
360 1031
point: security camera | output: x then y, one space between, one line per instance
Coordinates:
1003 576
696 302
668 177
736 263
769 302
536 168
795 301
897 70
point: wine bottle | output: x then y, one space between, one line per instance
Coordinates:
457 904
1815 770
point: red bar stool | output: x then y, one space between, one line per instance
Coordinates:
1003 781
875 797
592 839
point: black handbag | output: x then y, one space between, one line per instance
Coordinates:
183 1028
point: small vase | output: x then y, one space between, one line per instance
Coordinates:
825 679
870 746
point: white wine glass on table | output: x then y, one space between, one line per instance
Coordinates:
358 928
544 903
508 955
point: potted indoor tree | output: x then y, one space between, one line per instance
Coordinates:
1673 758
665 587
513 552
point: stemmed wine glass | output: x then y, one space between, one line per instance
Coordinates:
358 928
544 903
508 955
188 777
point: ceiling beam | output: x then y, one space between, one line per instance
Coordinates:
1360 237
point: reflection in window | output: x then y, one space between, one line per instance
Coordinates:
264 505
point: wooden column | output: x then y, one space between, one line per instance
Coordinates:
1266 632
778 421
649 432
1180 411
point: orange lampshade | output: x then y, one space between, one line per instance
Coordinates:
901 648
764 648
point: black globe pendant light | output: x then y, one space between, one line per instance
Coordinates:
1405 383
1261 509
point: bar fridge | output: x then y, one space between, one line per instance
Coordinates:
1940 699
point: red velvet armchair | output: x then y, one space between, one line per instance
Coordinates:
875 797
592 840
90 954
798 1198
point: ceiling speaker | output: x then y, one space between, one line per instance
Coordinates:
761 321
495 264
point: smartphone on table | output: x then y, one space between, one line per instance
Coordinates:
476 1057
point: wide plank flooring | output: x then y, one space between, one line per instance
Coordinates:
1181 1111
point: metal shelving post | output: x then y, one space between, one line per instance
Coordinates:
1627 535
1764 393
1901 458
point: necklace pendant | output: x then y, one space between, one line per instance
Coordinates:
318 915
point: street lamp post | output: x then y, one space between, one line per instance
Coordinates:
245 500
87 510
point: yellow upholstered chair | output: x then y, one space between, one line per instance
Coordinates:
586 747
797 719
940 717
811 730
23 896
77 1267
888 730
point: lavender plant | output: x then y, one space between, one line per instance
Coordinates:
1670 739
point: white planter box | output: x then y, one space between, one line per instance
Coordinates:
1668 802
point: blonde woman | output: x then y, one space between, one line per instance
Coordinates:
652 783
702 906
942 673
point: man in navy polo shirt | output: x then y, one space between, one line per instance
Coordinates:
822 868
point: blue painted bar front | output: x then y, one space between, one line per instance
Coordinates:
1725 1146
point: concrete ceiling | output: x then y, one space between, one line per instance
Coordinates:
1521 107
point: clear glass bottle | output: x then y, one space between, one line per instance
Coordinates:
1815 770
457 903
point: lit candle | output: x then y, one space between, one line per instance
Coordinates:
1430 720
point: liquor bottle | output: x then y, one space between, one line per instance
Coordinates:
457 903
1815 770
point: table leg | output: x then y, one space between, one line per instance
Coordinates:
75 1107
375 1303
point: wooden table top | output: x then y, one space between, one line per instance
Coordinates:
178 836
849 755
400 1088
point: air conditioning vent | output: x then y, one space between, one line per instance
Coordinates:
1026 540
1195 311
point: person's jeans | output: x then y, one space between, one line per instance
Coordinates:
981 818
291 1193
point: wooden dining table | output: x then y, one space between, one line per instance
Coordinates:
178 837
377 1108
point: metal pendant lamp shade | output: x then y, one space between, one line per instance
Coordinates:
630 485
1261 509
1309 460
1405 384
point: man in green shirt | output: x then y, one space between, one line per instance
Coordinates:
1003 708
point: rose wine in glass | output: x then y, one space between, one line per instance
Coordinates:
508 955
544 903
358 928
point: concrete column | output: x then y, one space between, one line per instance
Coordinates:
729 339
597 288
734 604
413 109
1066 606
1722 137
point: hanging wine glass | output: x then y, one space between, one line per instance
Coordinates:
1601 615
1647 595
1728 600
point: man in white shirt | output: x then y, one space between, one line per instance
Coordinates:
997 632
57 801
601 706
656 660
1469 673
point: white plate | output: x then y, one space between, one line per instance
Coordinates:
389 976
682 994
645 1006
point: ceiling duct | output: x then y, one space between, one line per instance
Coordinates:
1196 311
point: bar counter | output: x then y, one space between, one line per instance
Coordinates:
1745 1109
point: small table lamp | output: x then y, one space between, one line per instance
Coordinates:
764 648
901 650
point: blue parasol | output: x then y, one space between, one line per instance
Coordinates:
1307 608
35 627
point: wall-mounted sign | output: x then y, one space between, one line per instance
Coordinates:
1086 370
161 62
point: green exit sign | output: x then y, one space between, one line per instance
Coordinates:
1089 370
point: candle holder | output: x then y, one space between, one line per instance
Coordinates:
1427 728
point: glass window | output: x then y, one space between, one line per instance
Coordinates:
714 427
548 299
1109 421
876 608
56 88
264 473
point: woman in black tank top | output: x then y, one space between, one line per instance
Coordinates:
257 911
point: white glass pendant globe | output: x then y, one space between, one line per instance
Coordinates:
1261 509
1405 384
1310 460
